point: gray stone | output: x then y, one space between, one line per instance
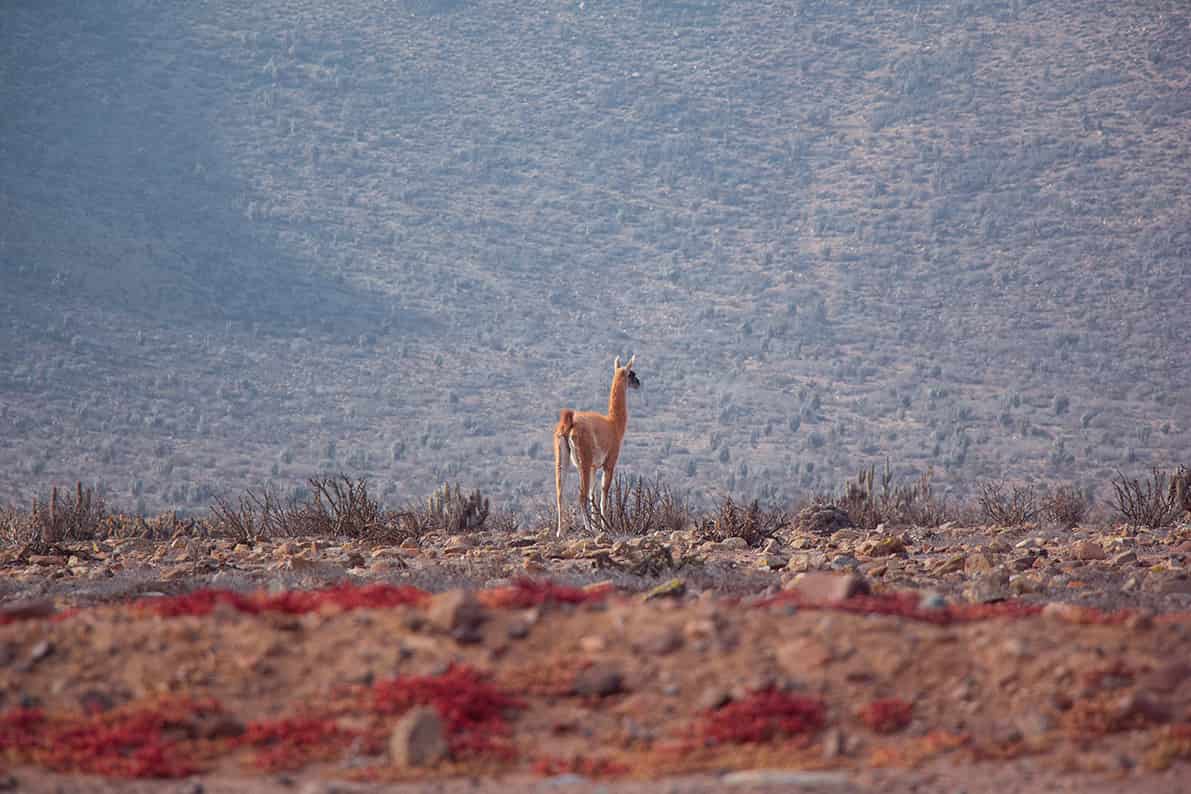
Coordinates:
820 586
420 738
599 680
455 610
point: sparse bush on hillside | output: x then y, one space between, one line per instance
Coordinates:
1147 503
1008 506
869 503
254 517
332 507
636 507
75 516
340 507
753 523
1067 506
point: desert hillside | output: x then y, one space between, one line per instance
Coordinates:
257 242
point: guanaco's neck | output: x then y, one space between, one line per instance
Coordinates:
618 408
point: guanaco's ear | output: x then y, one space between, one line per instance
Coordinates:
632 358
616 365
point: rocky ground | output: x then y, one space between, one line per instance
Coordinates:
956 658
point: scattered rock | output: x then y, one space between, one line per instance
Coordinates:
883 547
807 561
735 543
41 650
803 653
845 562
979 562
457 612
993 586
951 565
1125 558
834 744
419 739
713 698
823 587
661 641
600 680
1087 550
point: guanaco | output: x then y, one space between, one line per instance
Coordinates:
592 441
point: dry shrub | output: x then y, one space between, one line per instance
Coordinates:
1067 506
1008 506
256 516
869 503
77 515
339 507
637 507
753 523
822 517
1147 503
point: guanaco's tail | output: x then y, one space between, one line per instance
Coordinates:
566 422
562 451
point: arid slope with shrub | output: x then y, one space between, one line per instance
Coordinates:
249 243
347 647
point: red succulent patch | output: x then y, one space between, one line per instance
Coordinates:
762 716
162 739
525 593
293 742
473 708
295 602
887 716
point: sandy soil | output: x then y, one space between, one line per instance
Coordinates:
958 659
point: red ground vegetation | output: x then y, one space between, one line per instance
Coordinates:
764 715
886 716
473 708
524 593
345 597
160 739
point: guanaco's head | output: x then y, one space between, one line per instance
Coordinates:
629 375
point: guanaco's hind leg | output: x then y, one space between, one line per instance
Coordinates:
562 454
605 486
586 474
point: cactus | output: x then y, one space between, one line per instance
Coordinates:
453 511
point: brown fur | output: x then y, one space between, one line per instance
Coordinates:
592 440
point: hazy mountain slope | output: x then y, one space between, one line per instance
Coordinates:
951 234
